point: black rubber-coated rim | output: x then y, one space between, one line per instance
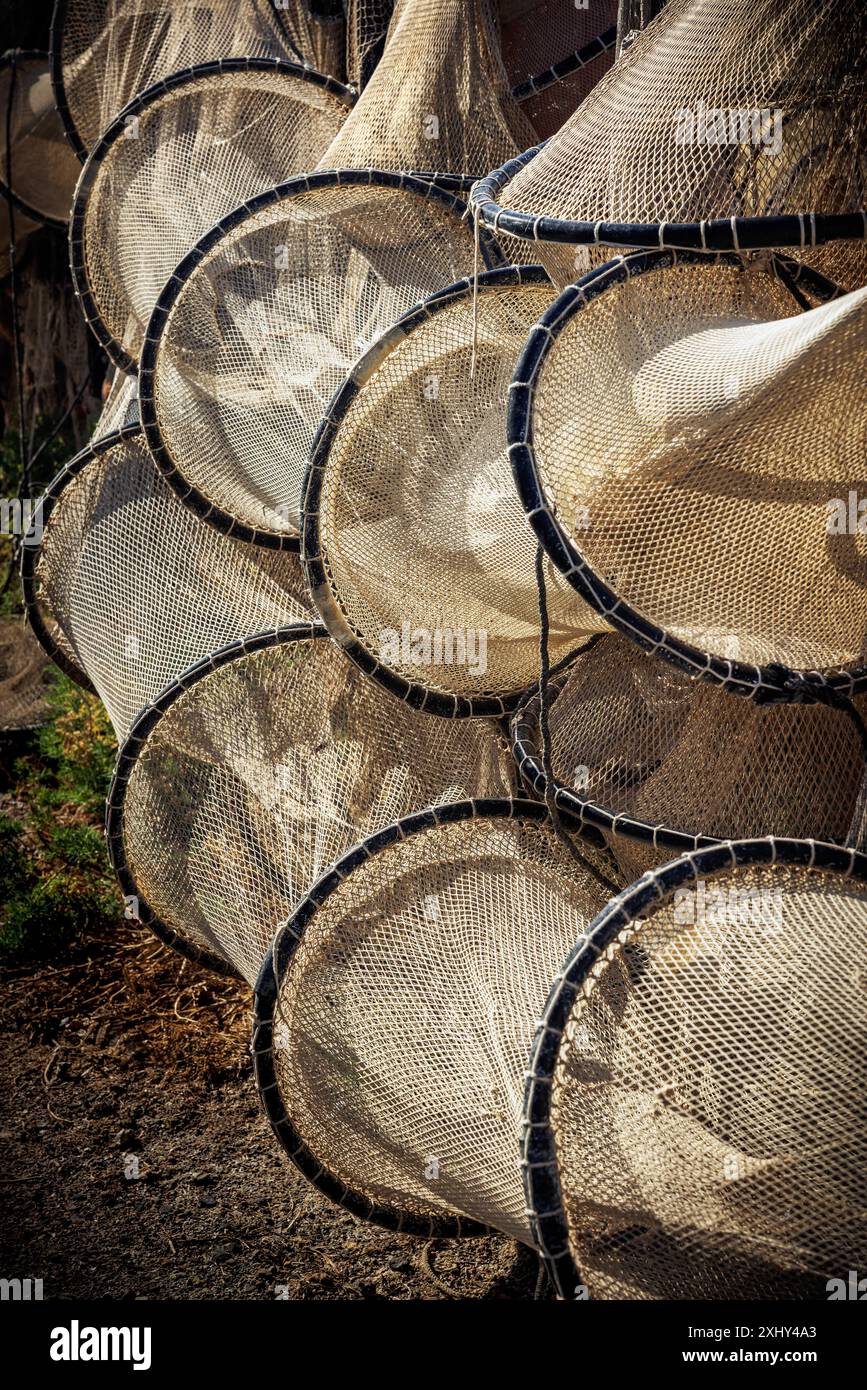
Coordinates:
6 61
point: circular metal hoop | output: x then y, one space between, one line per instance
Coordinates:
771 681
10 59
275 965
798 231
126 759
299 186
538 1154
313 556
116 132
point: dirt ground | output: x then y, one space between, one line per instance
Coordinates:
135 1162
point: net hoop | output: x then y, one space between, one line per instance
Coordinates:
140 730
8 60
412 693
32 544
115 132
769 682
538 1154
274 966
800 231
302 184
572 63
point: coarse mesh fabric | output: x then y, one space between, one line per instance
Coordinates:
707 1102
536 34
634 735
698 468
134 587
192 154
268 324
652 142
429 560
109 51
44 168
404 1017
439 97
269 768
24 677
366 28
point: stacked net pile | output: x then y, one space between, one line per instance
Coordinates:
304 283
439 99
36 163
704 506
105 52
662 763
415 548
180 157
700 1099
394 1023
720 109
128 587
537 36
263 768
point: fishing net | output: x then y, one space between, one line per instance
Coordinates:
439 98
105 52
415 546
663 763
24 678
366 28
128 587
538 37
699 488
720 109
395 1021
252 338
181 156
698 1090
262 768
43 168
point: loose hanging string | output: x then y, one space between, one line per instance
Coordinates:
544 728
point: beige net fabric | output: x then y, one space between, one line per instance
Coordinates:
267 326
267 770
366 27
24 677
536 34
109 51
705 468
637 737
719 108
707 1103
439 98
189 156
135 587
404 1018
428 560
44 168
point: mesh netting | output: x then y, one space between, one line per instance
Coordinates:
105 52
402 1019
537 34
43 168
264 329
131 587
264 771
707 1098
366 27
172 165
439 98
699 487
632 737
720 108
416 550
24 677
